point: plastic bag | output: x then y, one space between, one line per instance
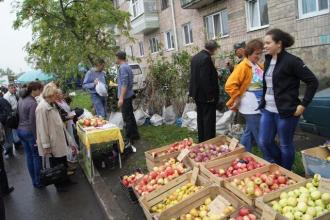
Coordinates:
156 120
169 115
140 116
223 125
101 89
86 114
117 119
189 107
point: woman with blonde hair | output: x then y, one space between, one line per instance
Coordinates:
52 136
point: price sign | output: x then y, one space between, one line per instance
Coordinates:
268 213
194 175
324 185
183 154
233 144
218 205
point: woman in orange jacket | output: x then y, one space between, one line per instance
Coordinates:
245 87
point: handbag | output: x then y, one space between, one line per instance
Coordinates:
12 120
53 175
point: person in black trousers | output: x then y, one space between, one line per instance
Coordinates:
204 89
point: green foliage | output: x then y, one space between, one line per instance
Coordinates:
69 32
6 72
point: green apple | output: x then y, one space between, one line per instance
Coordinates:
273 202
316 195
328 207
312 189
284 195
303 199
303 189
319 203
307 217
311 203
315 183
325 198
298 215
292 194
283 202
309 185
311 211
318 213
289 215
287 209
292 201
277 207
297 192
318 209
302 207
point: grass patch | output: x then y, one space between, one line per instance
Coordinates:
82 100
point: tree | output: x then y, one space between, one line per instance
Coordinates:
70 32
6 72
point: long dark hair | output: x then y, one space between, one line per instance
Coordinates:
279 35
32 87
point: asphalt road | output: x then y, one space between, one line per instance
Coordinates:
27 203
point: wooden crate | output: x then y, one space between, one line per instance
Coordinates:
224 163
152 161
197 200
262 202
219 140
254 211
250 200
155 197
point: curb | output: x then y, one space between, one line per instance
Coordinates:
107 199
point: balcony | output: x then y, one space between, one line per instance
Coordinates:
144 16
195 4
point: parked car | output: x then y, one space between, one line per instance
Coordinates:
316 116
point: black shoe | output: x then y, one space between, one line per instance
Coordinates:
61 189
8 191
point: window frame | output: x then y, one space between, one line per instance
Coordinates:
314 13
162 5
220 22
141 49
139 8
171 40
190 34
151 45
248 14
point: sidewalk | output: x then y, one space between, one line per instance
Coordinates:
27 203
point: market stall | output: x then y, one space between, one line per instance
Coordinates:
96 131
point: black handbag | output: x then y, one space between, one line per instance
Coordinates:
54 175
13 120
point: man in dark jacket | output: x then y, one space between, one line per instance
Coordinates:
204 89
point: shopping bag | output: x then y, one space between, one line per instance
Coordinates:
54 175
101 89
169 115
156 120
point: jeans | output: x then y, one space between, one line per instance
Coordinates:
270 125
33 159
130 127
9 140
99 103
206 119
251 130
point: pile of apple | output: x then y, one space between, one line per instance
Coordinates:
175 197
177 146
260 184
92 122
303 203
244 214
129 181
202 212
206 152
237 167
159 176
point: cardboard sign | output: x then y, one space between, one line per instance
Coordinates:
194 175
268 213
183 154
324 185
218 205
233 144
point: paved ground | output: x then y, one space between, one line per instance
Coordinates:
27 203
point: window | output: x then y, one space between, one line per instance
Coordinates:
310 8
217 24
187 33
164 4
141 49
169 40
136 8
154 45
131 48
257 14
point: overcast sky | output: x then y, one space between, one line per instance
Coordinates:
12 41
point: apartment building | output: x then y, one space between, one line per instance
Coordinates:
174 25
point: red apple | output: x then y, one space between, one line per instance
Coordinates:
269 181
244 211
281 179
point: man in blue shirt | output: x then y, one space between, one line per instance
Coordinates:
125 97
92 78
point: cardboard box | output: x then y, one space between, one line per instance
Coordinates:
263 202
157 196
224 163
250 200
197 199
315 161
